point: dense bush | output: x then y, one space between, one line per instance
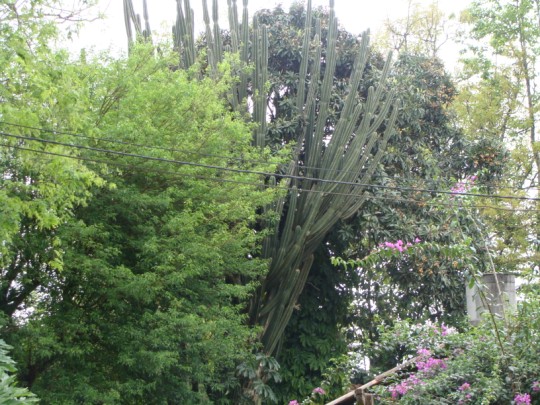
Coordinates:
495 362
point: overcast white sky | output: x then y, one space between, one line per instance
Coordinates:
355 15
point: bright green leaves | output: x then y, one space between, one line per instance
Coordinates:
502 21
157 267
126 277
39 187
10 394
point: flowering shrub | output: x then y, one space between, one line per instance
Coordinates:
522 399
426 365
487 364
314 398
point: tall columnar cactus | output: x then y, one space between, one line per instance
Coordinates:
329 189
184 34
133 20
336 168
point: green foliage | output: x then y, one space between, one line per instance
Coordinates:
126 279
10 394
149 304
259 371
499 99
471 366
38 192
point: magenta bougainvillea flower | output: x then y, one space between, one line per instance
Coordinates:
423 352
319 391
402 388
399 245
465 386
445 330
430 365
463 186
522 399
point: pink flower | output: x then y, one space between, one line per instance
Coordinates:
465 386
444 330
414 380
400 389
430 365
424 352
293 402
399 245
536 386
522 399
417 240
404 386
465 186
319 391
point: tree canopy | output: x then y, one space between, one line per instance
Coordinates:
129 197
173 219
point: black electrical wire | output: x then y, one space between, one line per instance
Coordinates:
300 190
267 174
190 152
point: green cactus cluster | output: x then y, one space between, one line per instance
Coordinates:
133 21
327 173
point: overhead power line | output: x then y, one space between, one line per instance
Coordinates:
266 174
137 145
300 190
197 153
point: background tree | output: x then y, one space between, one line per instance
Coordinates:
499 100
37 193
148 285
423 31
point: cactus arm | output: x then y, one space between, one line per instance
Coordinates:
300 98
